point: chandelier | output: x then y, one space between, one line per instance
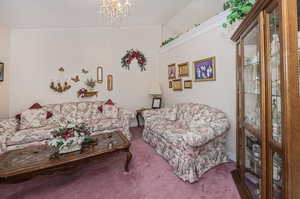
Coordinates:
115 9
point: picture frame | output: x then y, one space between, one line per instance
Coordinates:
170 84
99 74
156 103
172 71
205 69
109 82
1 71
188 84
177 85
183 69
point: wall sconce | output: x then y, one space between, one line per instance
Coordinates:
59 87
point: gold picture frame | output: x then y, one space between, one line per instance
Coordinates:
170 84
205 69
177 85
172 71
188 84
183 69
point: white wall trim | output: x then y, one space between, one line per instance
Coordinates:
211 23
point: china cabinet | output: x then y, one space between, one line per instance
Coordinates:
268 101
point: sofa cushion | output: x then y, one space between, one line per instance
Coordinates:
106 124
69 112
170 113
29 135
84 112
110 111
96 114
33 118
108 102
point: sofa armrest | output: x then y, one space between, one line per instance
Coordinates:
11 124
124 113
153 112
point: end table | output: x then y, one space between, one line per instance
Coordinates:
140 115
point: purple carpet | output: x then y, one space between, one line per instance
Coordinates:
150 177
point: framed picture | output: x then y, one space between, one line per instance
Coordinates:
177 85
170 84
172 71
1 71
109 82
99 74
205 69
183 70
188 84
156 103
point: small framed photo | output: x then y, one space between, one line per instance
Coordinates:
205 69
156 103
188 84
1 72
170 84
99 74
172 71
183 69
177 85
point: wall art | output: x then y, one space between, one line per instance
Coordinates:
75 79
205 69
131 55
109 82
188 84
177 85
172 71
99 74
1 71
60 87
84 71
183 69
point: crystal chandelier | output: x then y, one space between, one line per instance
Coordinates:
115 9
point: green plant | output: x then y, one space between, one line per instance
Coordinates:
165 42
238 10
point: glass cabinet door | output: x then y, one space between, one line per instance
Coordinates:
252 112
275 100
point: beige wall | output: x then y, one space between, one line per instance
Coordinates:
220 93
36 55
4 57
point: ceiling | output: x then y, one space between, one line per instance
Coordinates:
83 13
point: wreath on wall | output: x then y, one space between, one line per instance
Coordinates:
134 54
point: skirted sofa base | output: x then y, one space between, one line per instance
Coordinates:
191 163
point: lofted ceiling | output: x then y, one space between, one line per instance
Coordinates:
83 13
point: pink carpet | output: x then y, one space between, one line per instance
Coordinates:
150 177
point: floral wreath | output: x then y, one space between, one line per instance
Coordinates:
134 54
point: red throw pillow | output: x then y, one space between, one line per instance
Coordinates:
36 106
108 102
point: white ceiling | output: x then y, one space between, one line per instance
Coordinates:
83 13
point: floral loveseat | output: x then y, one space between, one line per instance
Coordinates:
191 137
12 137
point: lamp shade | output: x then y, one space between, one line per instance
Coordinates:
155 89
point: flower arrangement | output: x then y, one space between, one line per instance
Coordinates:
82 92
134 54
69 138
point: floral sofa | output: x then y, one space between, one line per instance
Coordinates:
12 137
191 137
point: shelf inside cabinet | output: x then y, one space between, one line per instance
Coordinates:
253 130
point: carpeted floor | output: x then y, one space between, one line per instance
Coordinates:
150 177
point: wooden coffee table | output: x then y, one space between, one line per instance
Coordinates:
19 165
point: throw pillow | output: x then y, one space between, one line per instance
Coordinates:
36 106
33 118
110 111
170 114
108 102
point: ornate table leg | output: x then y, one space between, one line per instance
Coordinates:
137 118
128 159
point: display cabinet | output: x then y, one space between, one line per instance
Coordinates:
268 102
